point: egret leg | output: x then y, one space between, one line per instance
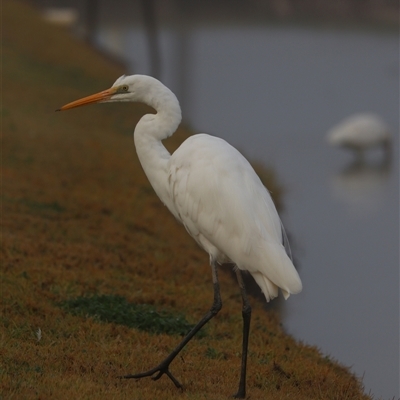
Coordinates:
246 314
163 367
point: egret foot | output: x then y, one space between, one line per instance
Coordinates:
161 369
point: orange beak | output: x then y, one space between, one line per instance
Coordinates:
94 98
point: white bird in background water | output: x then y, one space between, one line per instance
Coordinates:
361 132
213 190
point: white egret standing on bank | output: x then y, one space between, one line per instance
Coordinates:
212 189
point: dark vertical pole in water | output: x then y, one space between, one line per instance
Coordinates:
183 56
149 14
91 16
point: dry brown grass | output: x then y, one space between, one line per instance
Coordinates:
79 217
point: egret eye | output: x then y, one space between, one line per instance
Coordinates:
123 89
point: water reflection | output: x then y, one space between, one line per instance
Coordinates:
361 185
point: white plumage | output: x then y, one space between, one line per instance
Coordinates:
360 132
213 190
227 210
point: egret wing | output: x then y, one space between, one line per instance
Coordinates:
224 206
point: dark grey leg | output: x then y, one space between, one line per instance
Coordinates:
246 313
163 367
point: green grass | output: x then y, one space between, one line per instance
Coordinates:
116 309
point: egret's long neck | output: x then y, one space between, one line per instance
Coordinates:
150 131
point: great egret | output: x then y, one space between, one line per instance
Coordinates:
212 189
360 132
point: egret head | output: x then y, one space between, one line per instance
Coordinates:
125 88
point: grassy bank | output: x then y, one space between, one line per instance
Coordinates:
80 219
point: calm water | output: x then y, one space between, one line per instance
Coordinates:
273 92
